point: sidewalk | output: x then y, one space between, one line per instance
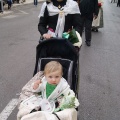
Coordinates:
31 1
6 11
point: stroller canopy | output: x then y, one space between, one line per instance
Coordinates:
55 48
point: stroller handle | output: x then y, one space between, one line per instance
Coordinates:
42 38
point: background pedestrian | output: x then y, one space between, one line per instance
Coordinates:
89 10
118 3
9 2
98 23
1 6
35 2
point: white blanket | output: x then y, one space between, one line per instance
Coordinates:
67 114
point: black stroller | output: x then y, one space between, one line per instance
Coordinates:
64 52
60 50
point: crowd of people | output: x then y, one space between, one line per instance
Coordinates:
10 2
116 1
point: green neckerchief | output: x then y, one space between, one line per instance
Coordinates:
49 89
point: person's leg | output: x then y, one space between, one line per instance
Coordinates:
88 26
8 4
82 25
0 5
35 2
119 3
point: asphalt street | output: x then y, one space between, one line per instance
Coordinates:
18 40
99 91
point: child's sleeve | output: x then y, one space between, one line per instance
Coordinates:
39 89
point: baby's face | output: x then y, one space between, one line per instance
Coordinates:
53 77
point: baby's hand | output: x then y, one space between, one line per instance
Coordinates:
36 84
94 16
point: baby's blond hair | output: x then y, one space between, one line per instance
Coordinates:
53 66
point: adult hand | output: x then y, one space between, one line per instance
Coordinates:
94 16
47 36
36 84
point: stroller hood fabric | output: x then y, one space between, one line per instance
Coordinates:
56 48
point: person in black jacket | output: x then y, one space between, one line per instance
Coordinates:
89 11
58 16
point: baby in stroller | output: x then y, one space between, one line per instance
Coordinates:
55 95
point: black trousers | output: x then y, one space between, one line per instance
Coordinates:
0 7
35 2
9 4
87 23
118 3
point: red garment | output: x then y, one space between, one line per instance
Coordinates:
99 4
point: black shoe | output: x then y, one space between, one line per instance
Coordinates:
92 29
88 43
96 30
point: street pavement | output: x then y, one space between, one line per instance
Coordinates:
18 40
99 91
99 88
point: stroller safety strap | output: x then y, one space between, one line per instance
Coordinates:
56 116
